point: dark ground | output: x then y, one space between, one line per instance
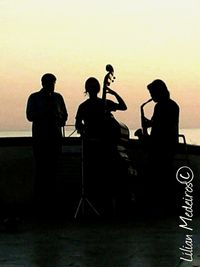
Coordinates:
137 242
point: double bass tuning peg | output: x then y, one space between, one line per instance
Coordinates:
112 79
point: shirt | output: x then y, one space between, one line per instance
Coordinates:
92 116
48 114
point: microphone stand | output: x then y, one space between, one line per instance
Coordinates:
83 198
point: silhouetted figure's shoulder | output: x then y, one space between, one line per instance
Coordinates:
172 104
169 102
167 107
98 104
89 101
42 93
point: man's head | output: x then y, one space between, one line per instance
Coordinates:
48 81
92 86
158 90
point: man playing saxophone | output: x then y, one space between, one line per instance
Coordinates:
162 141
165 120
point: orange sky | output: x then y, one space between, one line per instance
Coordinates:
142 39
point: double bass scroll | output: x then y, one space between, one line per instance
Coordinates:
108 79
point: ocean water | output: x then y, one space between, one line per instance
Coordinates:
192 135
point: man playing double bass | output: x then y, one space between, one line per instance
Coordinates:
97 127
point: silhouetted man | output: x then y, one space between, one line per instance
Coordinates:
163 142
165 120
94 122
47 112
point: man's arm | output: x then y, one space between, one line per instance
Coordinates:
62 112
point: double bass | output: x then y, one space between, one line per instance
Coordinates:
118 131
122 168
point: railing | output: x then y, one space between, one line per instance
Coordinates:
69 130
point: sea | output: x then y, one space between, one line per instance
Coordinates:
192 135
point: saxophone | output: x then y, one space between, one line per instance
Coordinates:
141 133
143 119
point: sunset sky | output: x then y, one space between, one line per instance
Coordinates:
142 39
